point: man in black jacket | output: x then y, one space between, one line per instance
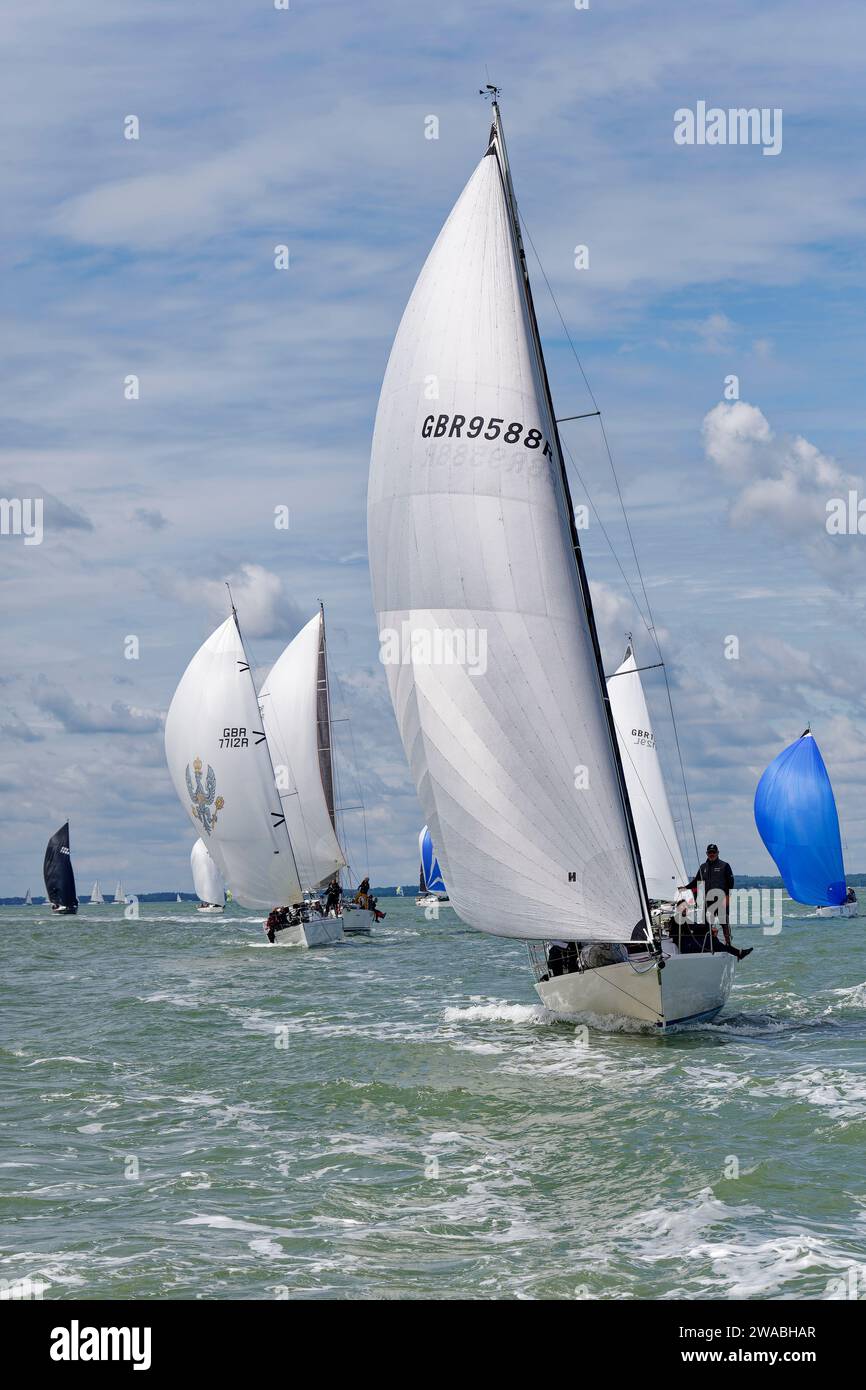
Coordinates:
718 880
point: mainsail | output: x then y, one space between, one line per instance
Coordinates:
795 812
222 771
485 622
660 851
294 701
206 875
96 893
431 874
57 870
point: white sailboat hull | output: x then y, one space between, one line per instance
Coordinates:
842 910
210 907
690 989
324 931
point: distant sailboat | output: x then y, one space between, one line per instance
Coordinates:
430 882
471 532
206 878
796 816
58 875
28 900
96 894
223 769
661 856
178 898
119 896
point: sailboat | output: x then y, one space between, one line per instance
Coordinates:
661 856
96 894
223 769
796 816
119 894
206 879
28 900
58 875
474 550
430 881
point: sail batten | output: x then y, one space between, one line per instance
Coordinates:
487 642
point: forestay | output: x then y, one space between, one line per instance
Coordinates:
221 768
484 632
660 851
295 711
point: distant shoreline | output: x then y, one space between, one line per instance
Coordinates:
410 889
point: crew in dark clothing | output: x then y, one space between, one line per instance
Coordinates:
717 878
333 895
363 892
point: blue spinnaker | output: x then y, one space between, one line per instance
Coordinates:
795 813
430 864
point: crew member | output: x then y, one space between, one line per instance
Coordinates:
718 879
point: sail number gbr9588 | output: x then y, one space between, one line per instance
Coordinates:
484 427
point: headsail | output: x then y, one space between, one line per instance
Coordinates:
486 634
297 723
795 812
431 874
660 851
206 875
222 772
57 870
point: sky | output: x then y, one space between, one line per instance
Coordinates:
257 387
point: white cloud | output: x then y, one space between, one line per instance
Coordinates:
264 609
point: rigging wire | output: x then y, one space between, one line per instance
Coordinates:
647 618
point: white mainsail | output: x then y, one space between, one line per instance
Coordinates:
221 767
294 703
205 875
483 625
119 895
96 893
660 851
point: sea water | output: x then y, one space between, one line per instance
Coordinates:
190 1113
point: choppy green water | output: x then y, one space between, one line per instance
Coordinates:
397 1117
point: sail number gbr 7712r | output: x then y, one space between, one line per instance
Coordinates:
484 427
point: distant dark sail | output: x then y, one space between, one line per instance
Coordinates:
57 871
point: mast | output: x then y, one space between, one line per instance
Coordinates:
277 819
498 149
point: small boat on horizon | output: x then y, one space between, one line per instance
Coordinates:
797 819
58 874
206 880
28 899
96 897
431 885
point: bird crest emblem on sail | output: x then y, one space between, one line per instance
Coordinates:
205 802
